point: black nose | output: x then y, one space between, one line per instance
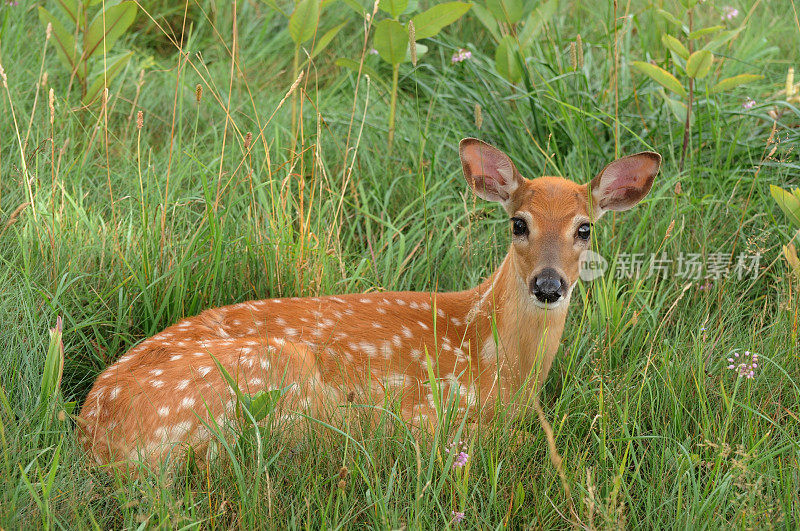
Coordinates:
548 286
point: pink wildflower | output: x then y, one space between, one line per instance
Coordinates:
462 457
457 517
461 55
729 13
745 365
749 103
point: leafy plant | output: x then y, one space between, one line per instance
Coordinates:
303 24
789 202
692 64
513 25
392 37
89 39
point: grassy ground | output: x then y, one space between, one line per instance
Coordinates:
123 231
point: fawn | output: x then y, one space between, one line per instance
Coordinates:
494 343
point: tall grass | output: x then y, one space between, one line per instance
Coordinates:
124 230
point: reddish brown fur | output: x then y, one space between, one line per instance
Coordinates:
158 395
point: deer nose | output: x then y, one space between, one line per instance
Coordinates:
548 286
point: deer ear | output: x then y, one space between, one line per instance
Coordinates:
624 182
489 172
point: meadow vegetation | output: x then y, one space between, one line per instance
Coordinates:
236 156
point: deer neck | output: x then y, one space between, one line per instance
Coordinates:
528 336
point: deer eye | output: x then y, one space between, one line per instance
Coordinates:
584 231
519 227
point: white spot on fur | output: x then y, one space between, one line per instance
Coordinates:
183 384
157 372
204 370
163 411
157 383
176 357
187 402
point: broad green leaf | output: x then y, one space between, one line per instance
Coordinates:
660 76
355 6
263 403
393 7
509 11
536 21
391 41
326 39
421 50
303 22
705 31
430 22
722 38
699 64
790 252
732 82
64 42
106 29
669 17
675 45
488 20
678 108
101 81
72 9
505 59
788 202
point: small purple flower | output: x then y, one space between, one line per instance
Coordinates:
729 13
373 51
457 517
461 55
462 457
749 103
745 365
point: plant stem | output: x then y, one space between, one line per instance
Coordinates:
393 104
687 126
295 62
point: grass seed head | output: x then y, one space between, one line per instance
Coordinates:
140 119
52 103
573 56
412 42
248 139
478 116
579 46
198 93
